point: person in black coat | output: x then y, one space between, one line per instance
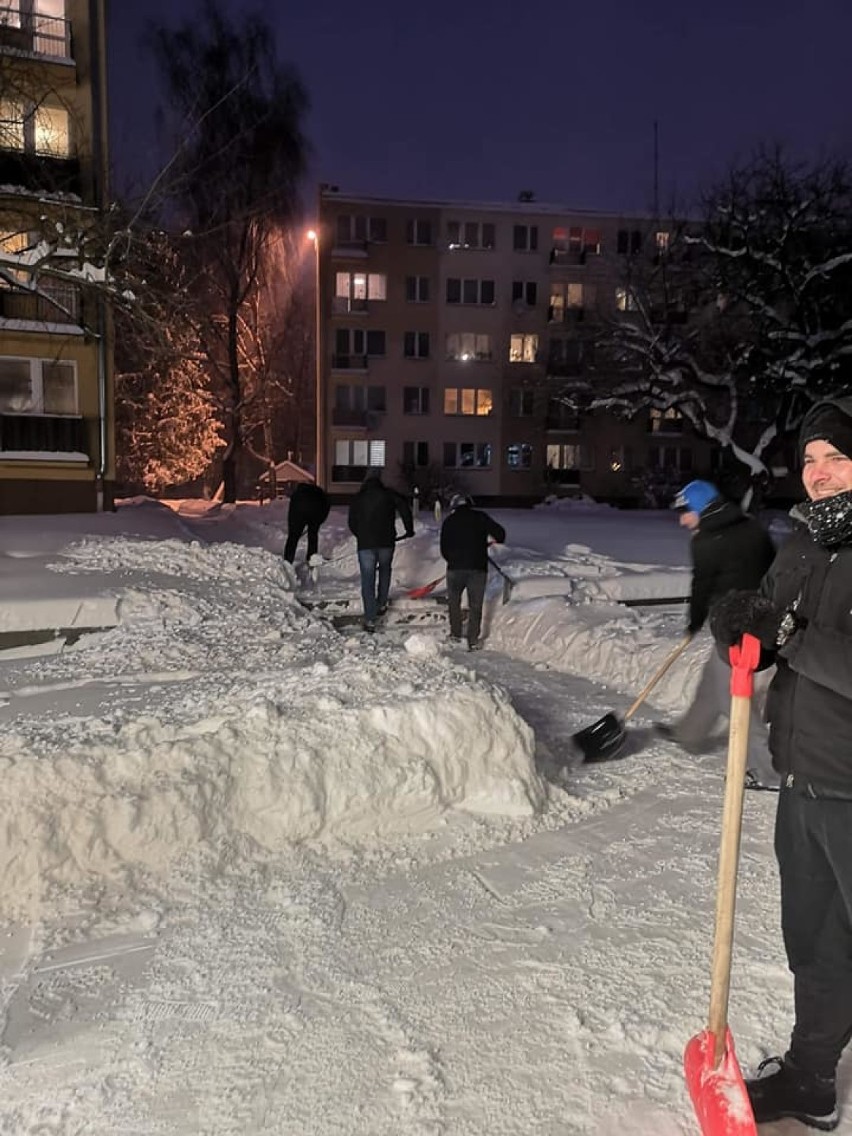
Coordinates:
802 616
309 507
465 536
729 551
372 520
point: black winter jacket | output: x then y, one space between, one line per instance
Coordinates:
373 512
809 706
309 505
464 539
729 551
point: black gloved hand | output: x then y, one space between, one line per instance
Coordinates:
741 613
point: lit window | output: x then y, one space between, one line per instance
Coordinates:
519 455
51 134
12 245
625 300
468 401
523 348
465 346
11 125
38 386
661 240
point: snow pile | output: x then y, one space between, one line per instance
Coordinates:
229 717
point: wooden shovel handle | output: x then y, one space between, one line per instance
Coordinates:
676 653
726 888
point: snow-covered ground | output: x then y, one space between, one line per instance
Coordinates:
258 875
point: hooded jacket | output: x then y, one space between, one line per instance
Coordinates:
809 706
730 551
372 515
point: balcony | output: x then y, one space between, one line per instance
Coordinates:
34 33
569 316
54 303
349 362
344 306
343 416
559 257
49 433
39 173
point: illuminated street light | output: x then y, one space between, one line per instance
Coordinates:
319 475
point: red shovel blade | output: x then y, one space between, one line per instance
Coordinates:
718 1092
419 593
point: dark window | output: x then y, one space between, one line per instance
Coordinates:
470 292
449 455
378 229
454 290
415 453
525 291
636 241
486 292
415 400
471 233
415 345
375 343
622 244
418 232
376 398
417 289
488 236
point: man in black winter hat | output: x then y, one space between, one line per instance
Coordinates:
465 536
802 615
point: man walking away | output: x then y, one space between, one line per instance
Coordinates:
309 507
465 536
802 616
372 520
729 550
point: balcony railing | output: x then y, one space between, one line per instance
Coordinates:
343 416
51 433
349 362
40 307
35 33
40 173
343 305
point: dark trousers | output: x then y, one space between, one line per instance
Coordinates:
294 535
813 843
472 580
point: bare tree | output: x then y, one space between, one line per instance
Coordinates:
745 318
234 186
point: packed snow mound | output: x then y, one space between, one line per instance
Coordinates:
229 717
260 773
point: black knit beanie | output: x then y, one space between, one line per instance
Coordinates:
825 422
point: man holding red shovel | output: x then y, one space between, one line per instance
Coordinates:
802 616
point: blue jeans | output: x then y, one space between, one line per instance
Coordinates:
369 561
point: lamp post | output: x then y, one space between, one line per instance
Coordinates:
314 236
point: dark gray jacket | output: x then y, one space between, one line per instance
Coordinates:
810 698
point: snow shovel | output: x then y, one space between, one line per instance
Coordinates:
603 739
713 1075
508 583
425 590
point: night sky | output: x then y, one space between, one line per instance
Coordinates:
475 99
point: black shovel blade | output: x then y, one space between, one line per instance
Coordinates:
603 740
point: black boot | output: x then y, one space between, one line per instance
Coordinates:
793 1092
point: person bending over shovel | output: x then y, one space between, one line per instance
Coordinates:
729 550
802 616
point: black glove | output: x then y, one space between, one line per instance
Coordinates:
741 613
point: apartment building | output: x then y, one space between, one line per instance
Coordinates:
444 329
56 417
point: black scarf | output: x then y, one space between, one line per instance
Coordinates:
829 520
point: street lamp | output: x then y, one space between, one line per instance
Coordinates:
319 477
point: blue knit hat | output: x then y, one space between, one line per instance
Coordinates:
696 496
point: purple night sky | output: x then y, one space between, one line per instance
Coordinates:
482 99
